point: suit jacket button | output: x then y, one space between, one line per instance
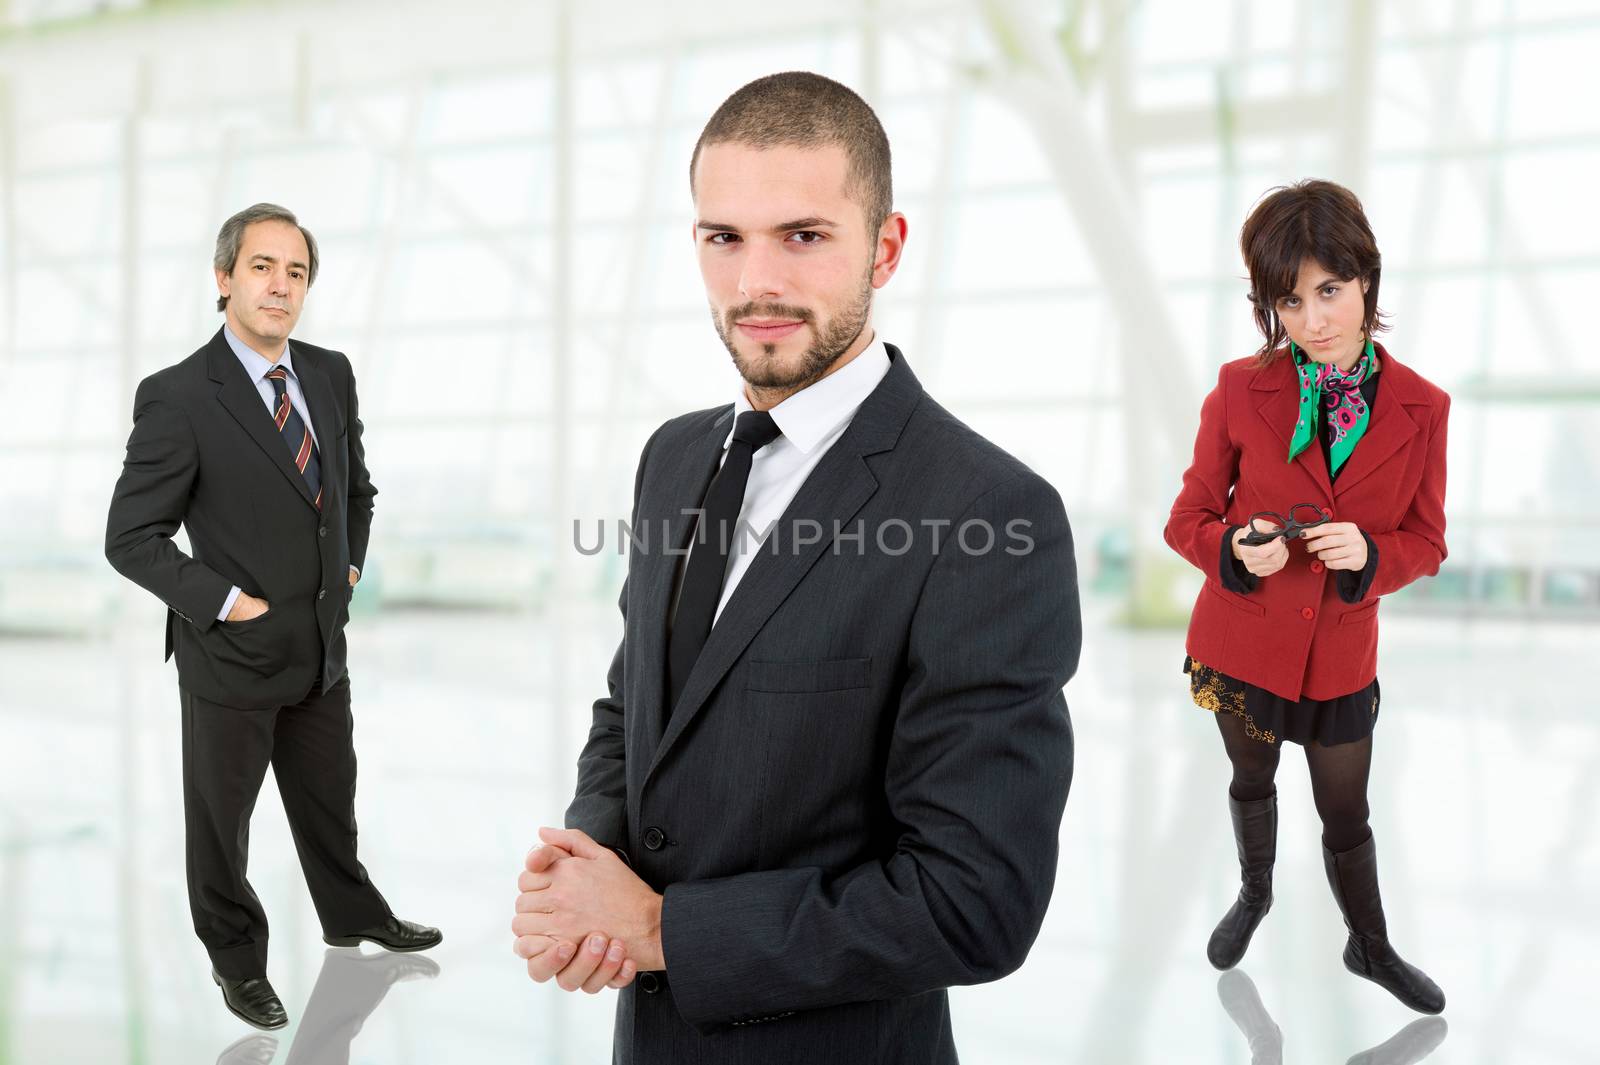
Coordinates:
323 531
654 838
1316 567
649 983
1307 613
322 593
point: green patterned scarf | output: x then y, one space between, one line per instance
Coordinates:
1339 394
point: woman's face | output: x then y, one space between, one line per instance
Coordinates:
1324 315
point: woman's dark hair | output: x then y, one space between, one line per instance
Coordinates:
1312 219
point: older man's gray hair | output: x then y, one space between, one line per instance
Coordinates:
231 235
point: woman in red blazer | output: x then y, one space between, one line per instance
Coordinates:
1283 641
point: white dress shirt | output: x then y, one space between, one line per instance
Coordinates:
258 366
811 420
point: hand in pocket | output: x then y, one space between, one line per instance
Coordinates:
247 608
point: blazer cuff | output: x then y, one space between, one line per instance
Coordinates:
1230 571
1353 585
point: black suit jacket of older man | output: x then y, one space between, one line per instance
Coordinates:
205 454
855 803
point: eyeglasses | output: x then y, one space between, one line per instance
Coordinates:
1289 528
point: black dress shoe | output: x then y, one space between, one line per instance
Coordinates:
393 934
394 968
252 1001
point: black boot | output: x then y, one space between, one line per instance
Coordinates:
1255 831
1353 876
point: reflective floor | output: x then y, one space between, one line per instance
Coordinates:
1485 809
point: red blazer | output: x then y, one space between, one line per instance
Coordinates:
1293 635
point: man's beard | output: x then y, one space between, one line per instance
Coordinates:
825 350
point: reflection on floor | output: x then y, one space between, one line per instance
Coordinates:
1264 1037
1484 806
348 988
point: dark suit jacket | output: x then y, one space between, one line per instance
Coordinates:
205 454
856 802
1294 635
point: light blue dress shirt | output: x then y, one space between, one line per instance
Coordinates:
258 366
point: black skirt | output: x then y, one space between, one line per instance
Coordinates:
1270 718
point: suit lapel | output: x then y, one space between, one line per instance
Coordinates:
239 396
1390 429
318 390
837 488
664 532
1279 406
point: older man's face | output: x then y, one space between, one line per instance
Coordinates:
268 284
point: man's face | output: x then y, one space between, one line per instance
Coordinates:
268 284
788 262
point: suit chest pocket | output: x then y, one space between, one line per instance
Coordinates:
811 676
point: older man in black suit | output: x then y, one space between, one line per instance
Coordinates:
253 445
828 777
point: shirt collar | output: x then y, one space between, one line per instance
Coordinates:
256 364
809 416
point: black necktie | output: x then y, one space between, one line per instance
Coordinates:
708 560
302 449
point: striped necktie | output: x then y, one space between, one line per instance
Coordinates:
296 434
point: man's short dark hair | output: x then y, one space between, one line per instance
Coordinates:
805 110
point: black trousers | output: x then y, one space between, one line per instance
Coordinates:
226 752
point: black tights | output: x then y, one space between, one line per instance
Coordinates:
1338 779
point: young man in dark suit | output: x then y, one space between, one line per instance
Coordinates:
253 445
828 777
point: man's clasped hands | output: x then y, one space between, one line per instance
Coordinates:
584 917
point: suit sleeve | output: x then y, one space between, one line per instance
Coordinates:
1196 526
1417 548
358 507
149 504
600 802
976 778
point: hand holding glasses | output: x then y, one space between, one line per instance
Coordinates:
1302 516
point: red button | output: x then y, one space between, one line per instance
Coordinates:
1307 613
1316 567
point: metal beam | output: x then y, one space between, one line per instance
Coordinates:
8 224
130 838
1157 423
564 730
